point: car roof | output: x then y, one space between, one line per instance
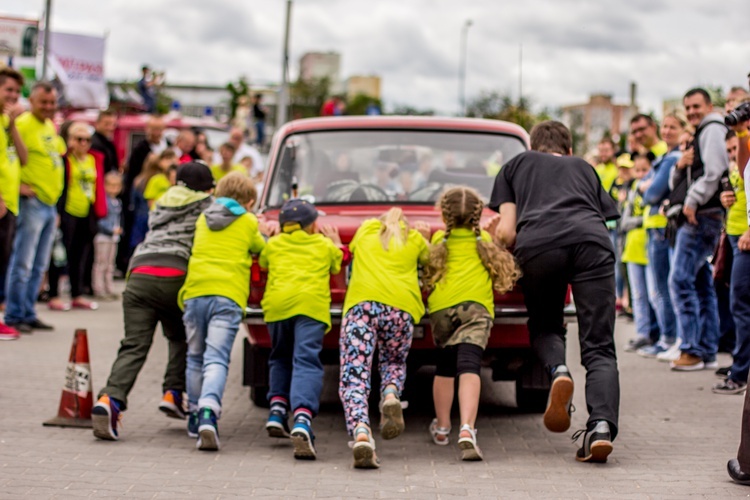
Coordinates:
403 122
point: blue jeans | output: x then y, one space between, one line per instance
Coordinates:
260 133
657 282
643 314
739 298
619 278
35 234
691 287
295 370
211 324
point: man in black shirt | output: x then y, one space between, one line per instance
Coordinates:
259 115
553 209
101 141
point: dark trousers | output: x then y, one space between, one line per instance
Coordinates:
589 269
294 366
78 239
743 454
7 233
148 300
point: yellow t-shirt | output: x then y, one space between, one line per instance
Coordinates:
219 172
737 213
220 261
81 186
607 172
386 276
44 168
299 276
10 168
466 279
156 187
635 249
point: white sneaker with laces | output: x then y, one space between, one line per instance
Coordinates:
671 354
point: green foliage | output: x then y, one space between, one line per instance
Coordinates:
307 96
241 88
358 104
406 110
497 106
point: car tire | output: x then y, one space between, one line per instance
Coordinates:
530 400
259 396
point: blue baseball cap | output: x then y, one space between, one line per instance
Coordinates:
297 211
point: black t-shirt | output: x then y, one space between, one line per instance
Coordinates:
559 201
258 112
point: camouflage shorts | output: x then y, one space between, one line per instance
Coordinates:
466 323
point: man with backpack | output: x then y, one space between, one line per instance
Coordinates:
697 188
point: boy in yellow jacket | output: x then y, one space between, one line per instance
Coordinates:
296 307
214 297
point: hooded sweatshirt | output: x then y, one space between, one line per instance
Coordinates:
171 226
225 237
713 154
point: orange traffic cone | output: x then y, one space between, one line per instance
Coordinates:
77 400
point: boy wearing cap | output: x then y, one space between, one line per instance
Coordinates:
296 307
214 297
157 272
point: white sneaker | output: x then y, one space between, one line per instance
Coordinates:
671 354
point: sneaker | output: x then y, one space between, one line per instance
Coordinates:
637 343
467 441
277 424
711 364
303 440
37 324
208 432
652 351
56 304
391 416
171 404
192 424
80 303
729 386
723 372
735 472
671 354
363 449
557 415
20 327
687 363
597 443
105 416
8 332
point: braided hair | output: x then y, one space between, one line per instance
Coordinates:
462 207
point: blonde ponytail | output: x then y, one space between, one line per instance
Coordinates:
391 229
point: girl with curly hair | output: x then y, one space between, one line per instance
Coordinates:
464 268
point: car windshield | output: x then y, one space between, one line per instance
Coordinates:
385 166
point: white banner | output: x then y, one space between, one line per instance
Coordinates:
78 61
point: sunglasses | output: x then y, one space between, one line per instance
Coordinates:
82 139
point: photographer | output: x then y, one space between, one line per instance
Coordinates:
698 228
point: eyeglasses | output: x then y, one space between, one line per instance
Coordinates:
82 139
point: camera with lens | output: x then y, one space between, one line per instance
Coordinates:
740 114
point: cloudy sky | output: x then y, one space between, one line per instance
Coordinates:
571 48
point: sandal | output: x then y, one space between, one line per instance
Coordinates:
391 415
439 434
468 444
364 450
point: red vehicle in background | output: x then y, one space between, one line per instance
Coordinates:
355 168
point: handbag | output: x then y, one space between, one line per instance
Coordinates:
722 261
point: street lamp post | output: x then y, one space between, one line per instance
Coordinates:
283 97
462 68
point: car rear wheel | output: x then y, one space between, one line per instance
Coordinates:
259 396
532 387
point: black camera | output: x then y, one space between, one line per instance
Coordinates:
740 114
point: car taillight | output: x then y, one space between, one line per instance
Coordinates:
255 273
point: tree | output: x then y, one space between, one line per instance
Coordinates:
358 104
307 96
406 110
496 106
241 88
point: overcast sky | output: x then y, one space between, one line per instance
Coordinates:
571 48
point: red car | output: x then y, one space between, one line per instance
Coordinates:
355 168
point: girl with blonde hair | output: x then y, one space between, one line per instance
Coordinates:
464 268
383 303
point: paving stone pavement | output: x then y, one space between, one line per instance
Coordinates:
675 437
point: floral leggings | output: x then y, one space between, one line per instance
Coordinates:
366 325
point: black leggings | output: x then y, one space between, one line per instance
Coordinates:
78 237
455 360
